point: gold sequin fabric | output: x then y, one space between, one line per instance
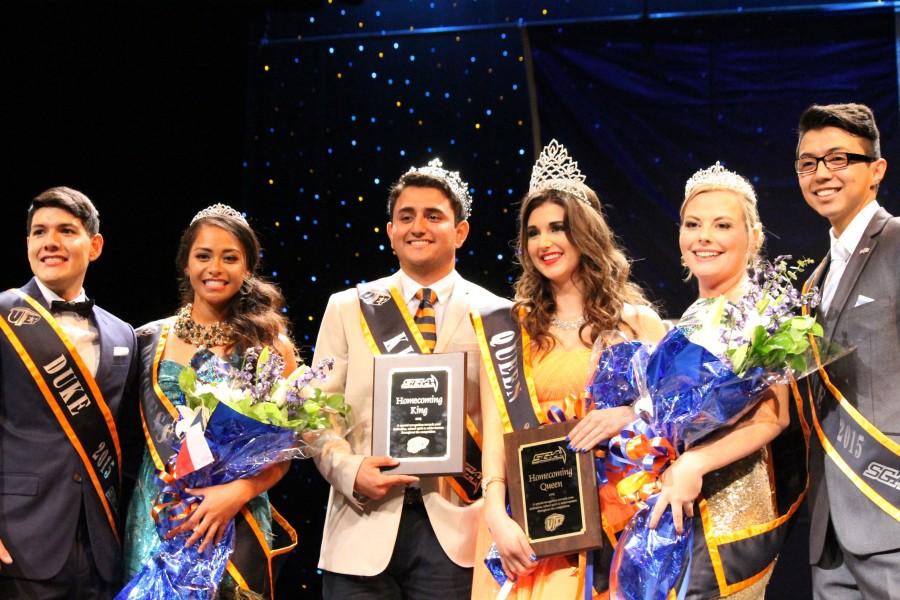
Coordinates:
739 495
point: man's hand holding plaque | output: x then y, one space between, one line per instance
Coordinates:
418 412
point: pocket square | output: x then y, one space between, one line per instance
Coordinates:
120 350
861 299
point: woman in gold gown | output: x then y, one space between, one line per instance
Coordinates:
729 477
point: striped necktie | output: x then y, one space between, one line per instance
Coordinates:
425 317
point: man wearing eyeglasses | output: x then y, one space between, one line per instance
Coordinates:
854 468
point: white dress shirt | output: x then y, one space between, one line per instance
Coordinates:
842 248
80 330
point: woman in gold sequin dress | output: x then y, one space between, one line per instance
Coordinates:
574 287
729 475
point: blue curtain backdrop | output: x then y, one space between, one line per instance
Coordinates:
644 105
343 99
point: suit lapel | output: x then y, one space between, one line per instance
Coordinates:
31 288
855 266
105 360
456 312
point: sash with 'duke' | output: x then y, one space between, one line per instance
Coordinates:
254 563
390 329
70 391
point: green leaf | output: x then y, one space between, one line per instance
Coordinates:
738 357
187 380
263 359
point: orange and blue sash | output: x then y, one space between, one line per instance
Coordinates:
71 393
254 563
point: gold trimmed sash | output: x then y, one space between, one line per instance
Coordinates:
253 564
71 393
506 353
865 455
389 328
736 560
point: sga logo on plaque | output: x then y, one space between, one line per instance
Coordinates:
553 490
418 412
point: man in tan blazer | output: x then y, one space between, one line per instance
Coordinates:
398 536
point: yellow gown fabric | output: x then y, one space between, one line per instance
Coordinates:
557 374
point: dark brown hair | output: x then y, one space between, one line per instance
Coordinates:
414 179
856 119
603 275
69 200
256 311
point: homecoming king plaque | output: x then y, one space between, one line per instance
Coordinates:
418 412
553 490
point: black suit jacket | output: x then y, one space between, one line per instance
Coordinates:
43 483
865 313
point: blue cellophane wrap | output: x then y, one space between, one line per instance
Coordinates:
614 381
241 448
693 393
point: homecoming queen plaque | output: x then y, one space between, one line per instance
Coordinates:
553 490
418 412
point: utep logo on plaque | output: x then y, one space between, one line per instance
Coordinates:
553 491
419 411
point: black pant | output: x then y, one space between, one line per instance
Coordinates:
78 579
418 569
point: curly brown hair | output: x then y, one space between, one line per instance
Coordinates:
603 275
255 312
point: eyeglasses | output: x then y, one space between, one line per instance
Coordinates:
834 161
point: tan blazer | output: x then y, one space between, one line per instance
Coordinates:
359 539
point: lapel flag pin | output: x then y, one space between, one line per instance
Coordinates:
864 251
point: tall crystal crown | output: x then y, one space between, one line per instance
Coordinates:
718 177
460 188
218 209
555 170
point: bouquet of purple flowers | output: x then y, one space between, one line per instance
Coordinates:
705 374
235 421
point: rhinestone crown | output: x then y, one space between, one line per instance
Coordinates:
555 170
218 209
460 188
718 177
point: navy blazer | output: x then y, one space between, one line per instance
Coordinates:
43 483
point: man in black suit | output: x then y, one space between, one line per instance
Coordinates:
65 366
854 465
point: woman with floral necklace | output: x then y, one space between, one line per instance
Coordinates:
226 309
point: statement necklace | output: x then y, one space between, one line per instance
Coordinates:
568 324
202 336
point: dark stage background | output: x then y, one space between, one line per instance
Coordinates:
303 113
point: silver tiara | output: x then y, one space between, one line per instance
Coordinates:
460 188
718 177
555 170
218 210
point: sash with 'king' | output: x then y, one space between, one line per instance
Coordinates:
71 392
254 564
389 328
